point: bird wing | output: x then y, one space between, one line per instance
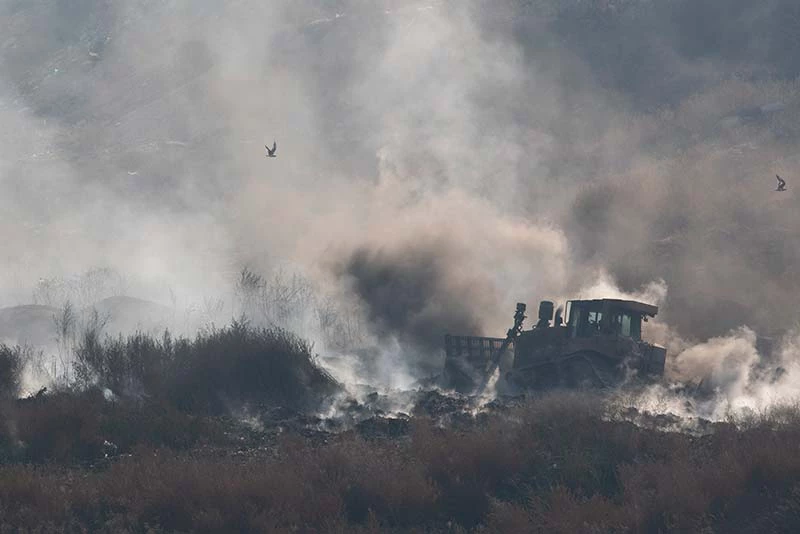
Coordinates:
781 181
274 146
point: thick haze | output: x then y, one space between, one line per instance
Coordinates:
461 155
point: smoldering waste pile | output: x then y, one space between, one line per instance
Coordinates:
388 415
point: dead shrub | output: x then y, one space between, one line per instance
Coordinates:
83 427
561 511
507 517
373 479
64 428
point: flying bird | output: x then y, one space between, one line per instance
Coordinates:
271 153
781 184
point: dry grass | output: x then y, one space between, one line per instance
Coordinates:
73 428
551 466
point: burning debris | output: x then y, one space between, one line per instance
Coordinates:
436 405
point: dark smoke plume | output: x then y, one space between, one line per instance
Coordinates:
409 295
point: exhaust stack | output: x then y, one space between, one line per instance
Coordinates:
545 314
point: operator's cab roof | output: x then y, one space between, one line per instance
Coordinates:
631 305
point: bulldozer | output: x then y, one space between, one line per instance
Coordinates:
599 346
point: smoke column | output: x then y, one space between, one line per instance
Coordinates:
437 162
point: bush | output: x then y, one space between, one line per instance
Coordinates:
130 366
213 373
12 360
240 364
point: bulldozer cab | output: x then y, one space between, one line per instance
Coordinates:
607 317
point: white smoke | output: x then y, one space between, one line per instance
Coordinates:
725 379
138 144
604 287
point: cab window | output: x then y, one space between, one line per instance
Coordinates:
585 322
625 325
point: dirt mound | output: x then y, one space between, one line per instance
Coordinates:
32 324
